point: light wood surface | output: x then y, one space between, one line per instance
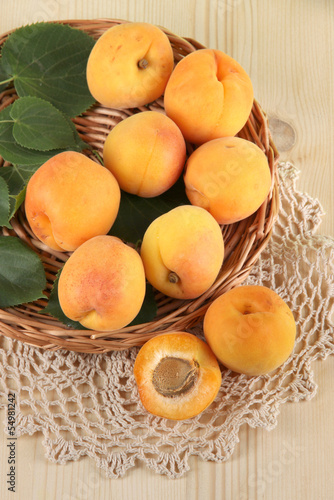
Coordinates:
286 47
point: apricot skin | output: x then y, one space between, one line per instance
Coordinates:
250 329
187 347
102 284
114 74
146 153
182 252
70 199
208 95
229 177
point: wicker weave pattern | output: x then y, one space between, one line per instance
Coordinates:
244 241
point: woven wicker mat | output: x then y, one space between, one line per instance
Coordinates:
87 404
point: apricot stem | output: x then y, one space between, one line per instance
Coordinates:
174 376
143 63
173 277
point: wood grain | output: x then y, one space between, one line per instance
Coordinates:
286 48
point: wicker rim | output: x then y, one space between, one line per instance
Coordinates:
244 241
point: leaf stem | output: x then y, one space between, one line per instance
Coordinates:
98 156
7 81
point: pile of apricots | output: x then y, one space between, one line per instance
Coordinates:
72 202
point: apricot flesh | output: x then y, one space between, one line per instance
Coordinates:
177 375
71 199
129 65
146 153
208 95
183 251
250 329
102 284
229 177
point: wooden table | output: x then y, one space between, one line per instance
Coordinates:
286 48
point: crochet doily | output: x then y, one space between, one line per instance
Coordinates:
87 404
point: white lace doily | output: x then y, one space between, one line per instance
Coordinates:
87 404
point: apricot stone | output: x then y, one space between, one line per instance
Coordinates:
146 153
70 199
177 375
208 95
102 284
129 65
250 329
229 177
183 251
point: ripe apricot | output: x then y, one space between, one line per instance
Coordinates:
250 329
229 177
70 199
102 284
177 375
183 251
208 95
129 65
146 153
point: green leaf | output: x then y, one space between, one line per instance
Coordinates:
147 313
49 60
149 308
17 178
14 153
39 125
11 151
136 214
4 203
22 276
5 79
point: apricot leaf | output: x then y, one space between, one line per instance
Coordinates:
39 125
22 276
48 60
149 308
4 203
4 78
13 152
16 178
136 214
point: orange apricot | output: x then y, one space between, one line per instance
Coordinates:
102 284
129 65
229 177
70 199
177 375
250 329
146 153
208 95
183 251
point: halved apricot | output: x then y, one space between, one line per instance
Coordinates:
177 375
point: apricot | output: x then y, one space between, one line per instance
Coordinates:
102 284
250 329
208 95
229 177
182 252
177 375
146 153
130 65
70 199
